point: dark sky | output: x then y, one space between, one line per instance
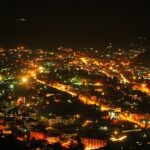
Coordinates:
51 23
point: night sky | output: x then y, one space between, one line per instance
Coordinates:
72 23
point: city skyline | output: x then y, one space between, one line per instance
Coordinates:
74 75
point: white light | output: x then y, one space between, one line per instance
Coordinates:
24 80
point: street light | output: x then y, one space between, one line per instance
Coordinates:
24 79
41 69
1 78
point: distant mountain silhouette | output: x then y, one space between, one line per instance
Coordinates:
144 58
